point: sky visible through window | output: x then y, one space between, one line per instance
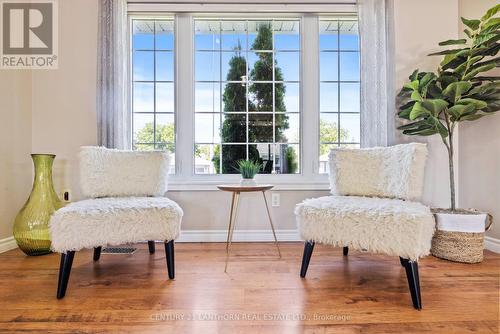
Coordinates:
339 87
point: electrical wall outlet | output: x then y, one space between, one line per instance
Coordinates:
66 195
275 199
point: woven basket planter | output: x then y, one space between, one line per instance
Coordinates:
459 235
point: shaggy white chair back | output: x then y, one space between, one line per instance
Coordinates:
393 172
117 173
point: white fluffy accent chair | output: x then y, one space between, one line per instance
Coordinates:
125 204
373 207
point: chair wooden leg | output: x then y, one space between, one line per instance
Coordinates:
308 250
169 252
64 271
345 250
97 253
411 268
151 245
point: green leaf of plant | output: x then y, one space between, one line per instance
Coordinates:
491 12
418 110
485 38
445 79
426 80
473 24
414 75
471 117
491 50
486 78
413 125
448 58
455 111
404 110
421 128
491 22
415 95
420 132
470 109
492 27
446 52
435 106
456 89
495 61
484 68
461 109
468 33
486 88
440 128
462 67
453 42
478 104
412 85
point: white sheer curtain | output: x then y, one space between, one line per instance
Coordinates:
377 73
112 103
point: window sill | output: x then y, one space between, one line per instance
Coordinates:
280 182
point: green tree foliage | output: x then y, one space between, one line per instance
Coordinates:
165 133
260 99
328 132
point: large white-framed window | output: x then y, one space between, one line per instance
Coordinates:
204 67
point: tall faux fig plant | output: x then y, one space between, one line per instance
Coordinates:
459 90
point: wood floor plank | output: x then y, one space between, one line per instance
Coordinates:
361 293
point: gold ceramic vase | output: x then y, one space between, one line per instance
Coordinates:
31 227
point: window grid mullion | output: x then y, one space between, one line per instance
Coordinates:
247 91
154 84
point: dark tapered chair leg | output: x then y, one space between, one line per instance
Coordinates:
308 250
151 245
403 262
169 252
411 268
97 253
345 250
64 271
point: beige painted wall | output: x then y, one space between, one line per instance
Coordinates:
480 146
64 116
64 113
15 145
419 27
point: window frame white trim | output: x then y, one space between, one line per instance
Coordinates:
185 177
233 7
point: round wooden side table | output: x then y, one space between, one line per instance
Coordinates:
237 189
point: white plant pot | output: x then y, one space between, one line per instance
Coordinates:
247 182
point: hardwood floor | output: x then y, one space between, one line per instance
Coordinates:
361 293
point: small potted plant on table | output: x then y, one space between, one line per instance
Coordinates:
248 170
436 102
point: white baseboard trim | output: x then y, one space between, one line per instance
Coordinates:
7 244
238 236
492 244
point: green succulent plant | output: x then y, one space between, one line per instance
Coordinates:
435 102
248 168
